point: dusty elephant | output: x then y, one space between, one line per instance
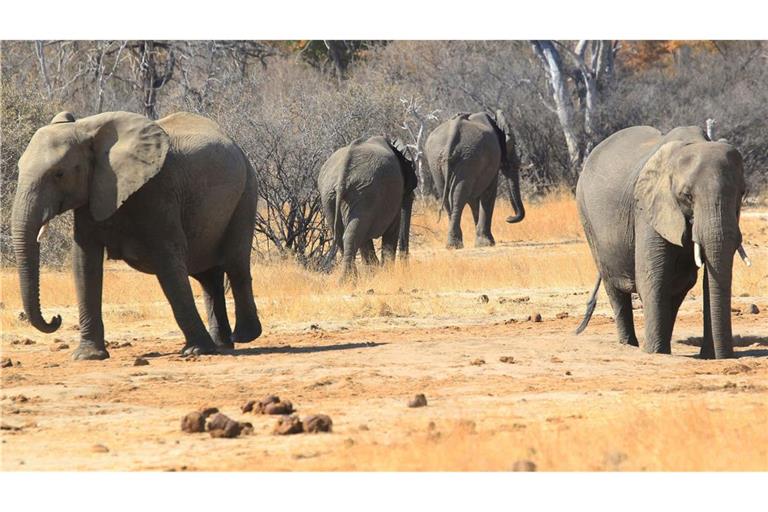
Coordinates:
367 192
465 155
174 198
654 208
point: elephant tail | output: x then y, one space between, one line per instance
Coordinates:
590 306
445 161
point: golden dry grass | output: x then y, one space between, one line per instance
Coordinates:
544 252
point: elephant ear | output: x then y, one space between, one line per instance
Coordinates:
128 150
63 117
501 121
653 193
405 159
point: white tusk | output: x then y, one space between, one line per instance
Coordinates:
744 256
41 233
697 254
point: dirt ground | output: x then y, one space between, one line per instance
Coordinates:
560 401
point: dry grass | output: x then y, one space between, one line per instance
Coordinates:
544 252
679 436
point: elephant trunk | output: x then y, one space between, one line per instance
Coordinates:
405 225
719 266
716 230
26 222
512 174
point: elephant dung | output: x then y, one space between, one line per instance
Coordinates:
223 426
507 359
284 407
524 465
535 317
193 422
140 361
318 423
288 425
483 299
477 362
6 362
752 309
418 401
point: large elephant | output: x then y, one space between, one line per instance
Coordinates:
654 208
465 155
367 192
173 197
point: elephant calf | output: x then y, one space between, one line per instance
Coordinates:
174 198
367 192
655 208
465 155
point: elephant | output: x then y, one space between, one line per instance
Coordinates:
464 155
367 191
174 198
655 208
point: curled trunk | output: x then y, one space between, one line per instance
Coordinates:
25 224
512 173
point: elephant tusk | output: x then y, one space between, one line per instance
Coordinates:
744 256
41 233
697 254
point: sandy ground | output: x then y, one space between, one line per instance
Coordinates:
564 402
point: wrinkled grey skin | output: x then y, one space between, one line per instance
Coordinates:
367 192
174 198
465 155
644 198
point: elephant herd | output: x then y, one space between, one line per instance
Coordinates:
177 198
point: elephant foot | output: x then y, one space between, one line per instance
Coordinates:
222 340
707 353
247 331
484 241
199 347
89 352
632 342
454 244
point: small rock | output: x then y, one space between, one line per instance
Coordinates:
555 359
363 428
483 299
59 346
19 399
193 422
248 406
6 362
99 448
524 465
370 291
568 372
736 311
477 362
140 361
736 369
418 401
507 359
22 316
561 315
521 299
752 309
288 425
535 317
318 423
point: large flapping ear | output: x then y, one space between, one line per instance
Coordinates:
654 195
128 150
63 117
407 167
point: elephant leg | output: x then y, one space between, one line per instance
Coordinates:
174 280
389 242
212 281
622 311
483 236
455 237
354 238
237 265
368 253
88 267
659 320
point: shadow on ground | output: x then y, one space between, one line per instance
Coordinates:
288 349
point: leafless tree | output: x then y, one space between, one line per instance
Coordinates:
414 125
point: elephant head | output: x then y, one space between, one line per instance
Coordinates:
407 167
700 184
510 166
98 161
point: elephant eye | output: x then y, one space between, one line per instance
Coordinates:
688 197
59 174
